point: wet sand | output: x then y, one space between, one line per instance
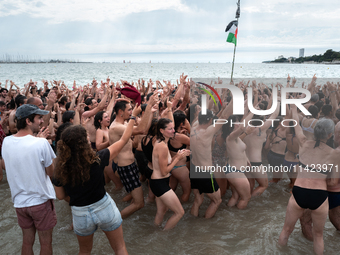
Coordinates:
251 231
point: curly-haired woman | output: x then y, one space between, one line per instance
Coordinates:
80 174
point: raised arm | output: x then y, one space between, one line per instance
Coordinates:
333 98
99 107
145 122
186 98
298 130
267 124
116 147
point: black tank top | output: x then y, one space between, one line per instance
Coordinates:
147 149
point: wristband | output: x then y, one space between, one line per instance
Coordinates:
133 118
245 133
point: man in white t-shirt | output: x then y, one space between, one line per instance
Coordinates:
28 163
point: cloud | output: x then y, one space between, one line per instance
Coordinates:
85 10
174 26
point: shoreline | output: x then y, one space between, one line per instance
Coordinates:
42 62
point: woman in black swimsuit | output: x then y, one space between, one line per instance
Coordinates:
277 145
180 172
162 164
147 144
310 190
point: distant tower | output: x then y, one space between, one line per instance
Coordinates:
301 53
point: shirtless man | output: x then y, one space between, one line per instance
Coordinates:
333 200
19 100
254 142
202 134
94 108
126 166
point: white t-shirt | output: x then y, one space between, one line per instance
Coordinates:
25 161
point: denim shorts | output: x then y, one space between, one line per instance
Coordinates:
103 214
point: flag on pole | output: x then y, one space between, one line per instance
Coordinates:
232 29
238 10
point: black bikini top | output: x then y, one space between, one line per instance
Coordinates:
147 149
171 148
314 170
282 138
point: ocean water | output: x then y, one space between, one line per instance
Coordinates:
251 231
83 73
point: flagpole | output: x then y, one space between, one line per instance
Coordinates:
237 17
232 68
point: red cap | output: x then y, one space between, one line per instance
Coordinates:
132 93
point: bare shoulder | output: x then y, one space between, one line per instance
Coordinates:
210 131
160 148
117 127
99 132
12 114
335 154
181 137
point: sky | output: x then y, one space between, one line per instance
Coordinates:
166 30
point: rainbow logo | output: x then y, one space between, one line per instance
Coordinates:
211 95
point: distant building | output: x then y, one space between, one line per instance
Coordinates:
281 56
301 53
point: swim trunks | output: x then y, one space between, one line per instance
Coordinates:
333 199
206 184
129 176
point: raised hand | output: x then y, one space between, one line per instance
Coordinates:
43 133
137 110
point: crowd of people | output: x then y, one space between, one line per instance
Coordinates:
70 142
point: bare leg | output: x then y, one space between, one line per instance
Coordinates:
116 240
151 197
136 203
306 224
214 204
197 202
161 210
182 175
234 196
222 182
127 198
241 188
334 217
262 179
28 241
319 217
173 183
252 184
85 244
170 200
45 239
293 213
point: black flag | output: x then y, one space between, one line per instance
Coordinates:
238 10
